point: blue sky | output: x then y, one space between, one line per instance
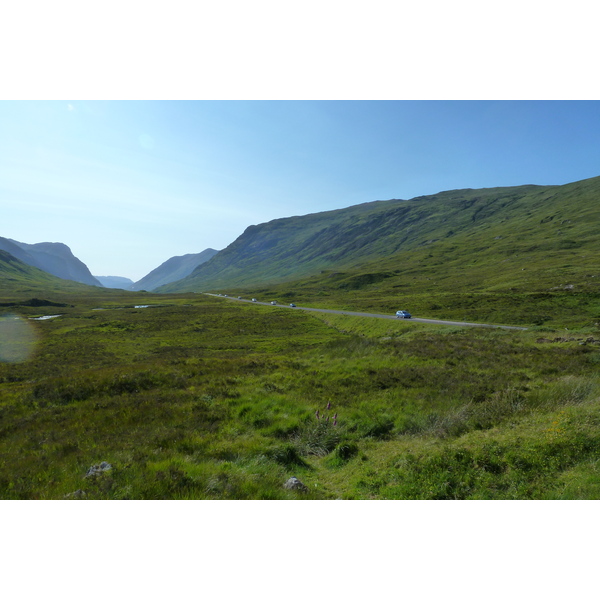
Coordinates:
128 184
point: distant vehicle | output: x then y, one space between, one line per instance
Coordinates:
293 305
403 314
239 297
273 302
225 295
253 299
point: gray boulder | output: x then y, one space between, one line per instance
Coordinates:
98 469
294 484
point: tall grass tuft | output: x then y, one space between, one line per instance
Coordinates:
317 439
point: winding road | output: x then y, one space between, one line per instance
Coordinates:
372 315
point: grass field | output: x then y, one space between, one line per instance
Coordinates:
198 397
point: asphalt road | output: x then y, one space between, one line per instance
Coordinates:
372 315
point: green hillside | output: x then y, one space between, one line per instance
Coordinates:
17 278
486 244
52 257
20 283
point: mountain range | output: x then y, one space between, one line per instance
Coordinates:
492 238
507 240
58 260
113 281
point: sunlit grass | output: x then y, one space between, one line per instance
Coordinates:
204 398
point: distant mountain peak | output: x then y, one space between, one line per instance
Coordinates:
173 269
114 281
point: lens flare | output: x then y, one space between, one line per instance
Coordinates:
18 339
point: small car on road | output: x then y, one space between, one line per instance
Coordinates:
403 314
293 305
253 299
273 302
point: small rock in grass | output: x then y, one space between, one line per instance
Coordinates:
294 484
76 494
98 469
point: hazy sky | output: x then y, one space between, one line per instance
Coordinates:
128 184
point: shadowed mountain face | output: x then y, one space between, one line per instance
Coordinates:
489 234
173 269
54 258
111 281
10 264
18 278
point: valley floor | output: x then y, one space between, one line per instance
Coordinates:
196 397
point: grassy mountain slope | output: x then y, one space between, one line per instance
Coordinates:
54 258
525 255
15 275
21 282
284 249
553 226
174 269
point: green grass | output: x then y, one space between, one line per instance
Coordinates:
525 255
199 397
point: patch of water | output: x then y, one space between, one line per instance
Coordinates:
126 307
44 318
